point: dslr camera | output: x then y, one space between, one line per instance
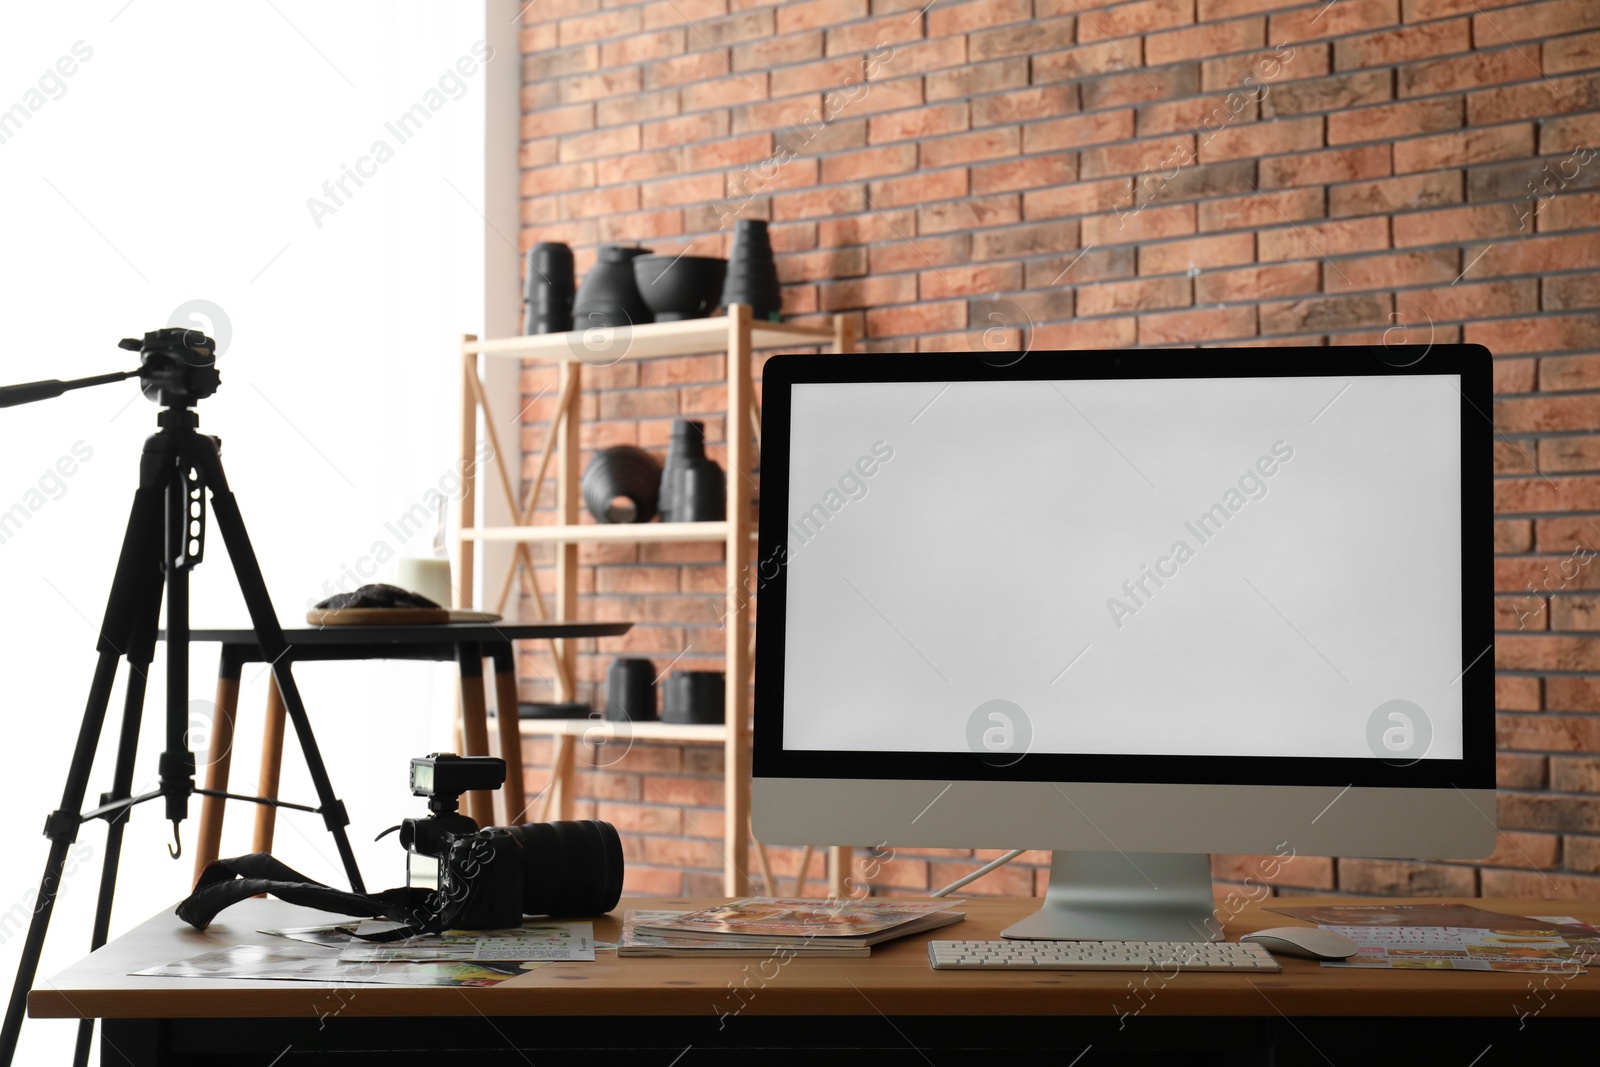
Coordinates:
488 879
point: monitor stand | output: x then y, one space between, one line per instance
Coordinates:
1125 896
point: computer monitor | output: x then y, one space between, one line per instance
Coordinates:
1131 607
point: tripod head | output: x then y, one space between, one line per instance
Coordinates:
178 367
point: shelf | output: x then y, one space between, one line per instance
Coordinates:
641 731
737 335
648 341
607 533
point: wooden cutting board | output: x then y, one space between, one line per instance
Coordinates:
396 616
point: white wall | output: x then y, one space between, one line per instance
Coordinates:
173 165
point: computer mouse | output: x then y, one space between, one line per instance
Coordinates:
1303 942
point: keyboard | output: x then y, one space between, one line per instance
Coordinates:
1170 956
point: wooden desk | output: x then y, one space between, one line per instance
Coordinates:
892 1003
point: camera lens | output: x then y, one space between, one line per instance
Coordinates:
570 868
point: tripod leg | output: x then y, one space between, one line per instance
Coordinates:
141 650
63 829
132 713
62 825
274 646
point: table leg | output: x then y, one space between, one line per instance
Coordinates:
271 767
566 776
504 658
455 728
553 783
474 725
219 760
558 790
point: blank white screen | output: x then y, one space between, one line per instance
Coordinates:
977 561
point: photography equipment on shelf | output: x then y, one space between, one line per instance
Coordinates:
680 287
547 296
487 879
694 697
609 296
164 541
630 690
693 488
622 484
561 709
752 274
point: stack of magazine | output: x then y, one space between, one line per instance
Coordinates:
763 926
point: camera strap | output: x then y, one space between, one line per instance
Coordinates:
225 882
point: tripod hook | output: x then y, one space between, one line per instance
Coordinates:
175 850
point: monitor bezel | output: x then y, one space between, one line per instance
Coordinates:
1475 769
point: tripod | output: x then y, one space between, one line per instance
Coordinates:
165 540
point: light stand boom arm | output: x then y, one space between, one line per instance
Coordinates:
28 392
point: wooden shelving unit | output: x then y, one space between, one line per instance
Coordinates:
557 802
627 533
738 334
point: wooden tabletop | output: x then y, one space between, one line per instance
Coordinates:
895 980
454 632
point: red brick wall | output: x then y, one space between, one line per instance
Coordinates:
1155 172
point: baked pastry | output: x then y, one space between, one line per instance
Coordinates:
376 596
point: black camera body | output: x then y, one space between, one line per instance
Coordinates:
489 879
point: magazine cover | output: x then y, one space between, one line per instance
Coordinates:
794 918
1455 937
534 940
784 919
636 942
270 963
1432 915
1452 948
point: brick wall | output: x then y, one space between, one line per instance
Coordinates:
1155 172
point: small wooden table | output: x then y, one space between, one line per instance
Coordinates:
467 644
889 1008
